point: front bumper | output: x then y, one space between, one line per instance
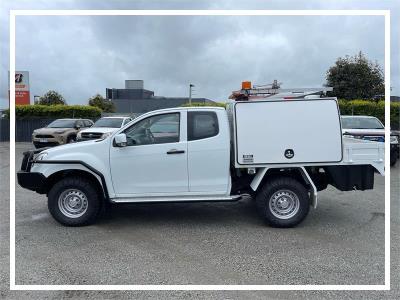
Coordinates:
49 141
33 181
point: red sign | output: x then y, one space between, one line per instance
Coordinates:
22 98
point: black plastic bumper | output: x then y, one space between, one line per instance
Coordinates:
32 181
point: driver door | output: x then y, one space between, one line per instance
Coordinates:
155 158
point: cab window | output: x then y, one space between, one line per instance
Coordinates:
79 124
202 124
158 129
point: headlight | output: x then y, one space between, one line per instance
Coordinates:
41 155
394 139
59 131
106 135
79 135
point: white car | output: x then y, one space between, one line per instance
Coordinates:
102 128
281 152
370 128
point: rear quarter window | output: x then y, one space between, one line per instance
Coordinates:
202 124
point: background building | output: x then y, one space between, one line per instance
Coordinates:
135 99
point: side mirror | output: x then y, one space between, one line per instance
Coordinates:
120 140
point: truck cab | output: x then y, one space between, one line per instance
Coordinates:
202 154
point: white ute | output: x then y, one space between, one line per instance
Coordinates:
102 128
279 151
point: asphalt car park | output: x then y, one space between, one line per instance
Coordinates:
341 242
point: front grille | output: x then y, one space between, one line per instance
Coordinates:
91 135
28 158
374 138
43 145
25 165
44 136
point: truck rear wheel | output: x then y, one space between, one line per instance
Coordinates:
283 202
74 202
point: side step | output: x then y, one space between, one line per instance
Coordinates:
169 199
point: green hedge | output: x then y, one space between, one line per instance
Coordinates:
56 111
218 104
356 107
371 108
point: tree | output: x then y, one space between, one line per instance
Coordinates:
51 98
355 77
104 104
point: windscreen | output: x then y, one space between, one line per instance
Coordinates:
62 124
109 122
361 123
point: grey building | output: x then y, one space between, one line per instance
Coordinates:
135 99
395 98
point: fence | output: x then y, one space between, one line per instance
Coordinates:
4 130
23 129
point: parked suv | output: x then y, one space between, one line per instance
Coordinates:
58 132
370 128
102 128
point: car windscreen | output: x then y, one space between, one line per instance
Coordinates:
109 122
62 124
361 123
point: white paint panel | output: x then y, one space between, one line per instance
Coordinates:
265 130
208 160
149 169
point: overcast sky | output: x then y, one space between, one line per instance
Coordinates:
80 56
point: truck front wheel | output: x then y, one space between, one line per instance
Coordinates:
283 202
74 202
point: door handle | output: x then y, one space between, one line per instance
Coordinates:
175 151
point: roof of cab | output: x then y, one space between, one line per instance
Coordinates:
187 108
357 116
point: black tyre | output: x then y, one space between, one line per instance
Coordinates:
283 202
71 139
74 202
393 159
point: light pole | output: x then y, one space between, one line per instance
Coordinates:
190 93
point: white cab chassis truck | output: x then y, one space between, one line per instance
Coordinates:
281 152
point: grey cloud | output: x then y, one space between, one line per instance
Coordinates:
80 56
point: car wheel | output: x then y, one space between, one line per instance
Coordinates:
74 202
283 202
71 139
